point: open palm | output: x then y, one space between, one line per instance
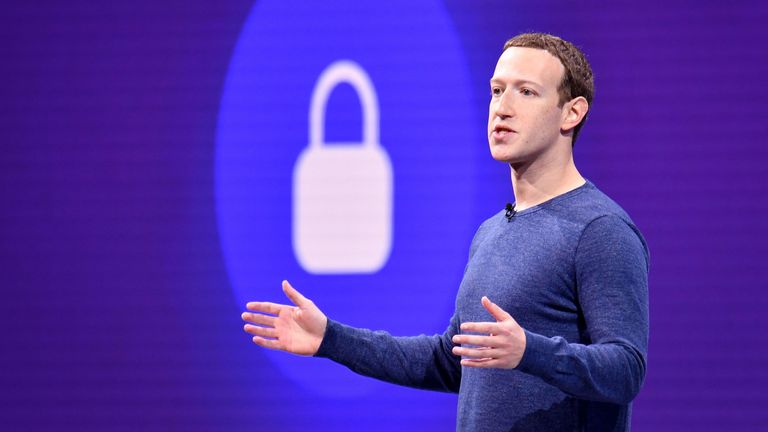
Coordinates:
295 329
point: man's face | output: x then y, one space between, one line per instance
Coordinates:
524 119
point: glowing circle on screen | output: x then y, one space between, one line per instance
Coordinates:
413 57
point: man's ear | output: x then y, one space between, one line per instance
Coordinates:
576 110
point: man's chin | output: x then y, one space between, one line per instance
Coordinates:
504 157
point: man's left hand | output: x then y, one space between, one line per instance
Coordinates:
500 344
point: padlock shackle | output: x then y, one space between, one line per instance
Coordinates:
344 71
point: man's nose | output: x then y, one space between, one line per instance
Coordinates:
505 106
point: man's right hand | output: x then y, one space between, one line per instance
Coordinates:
295 329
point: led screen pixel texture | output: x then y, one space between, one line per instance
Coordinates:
120 312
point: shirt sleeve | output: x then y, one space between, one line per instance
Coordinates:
612 288
424 362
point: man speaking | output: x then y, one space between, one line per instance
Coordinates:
550 330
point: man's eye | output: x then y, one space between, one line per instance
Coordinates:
527 92
495 91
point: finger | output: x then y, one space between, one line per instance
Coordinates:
258 318
475 353
268 343
265 307
260 331
494 309
480 363
481 327
481 341
295 296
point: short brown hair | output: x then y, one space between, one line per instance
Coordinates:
577 80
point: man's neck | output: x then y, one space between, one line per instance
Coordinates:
533 185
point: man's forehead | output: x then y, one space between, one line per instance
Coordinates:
531 64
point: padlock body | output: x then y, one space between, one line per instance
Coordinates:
342 208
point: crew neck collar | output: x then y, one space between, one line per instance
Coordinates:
577 190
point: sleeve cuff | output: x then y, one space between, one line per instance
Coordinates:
538 358
330 341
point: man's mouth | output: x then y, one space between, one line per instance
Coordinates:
501 131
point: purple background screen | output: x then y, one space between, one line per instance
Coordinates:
117 310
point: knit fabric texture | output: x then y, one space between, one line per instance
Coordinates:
573 272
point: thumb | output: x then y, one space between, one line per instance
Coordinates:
295 296
495 311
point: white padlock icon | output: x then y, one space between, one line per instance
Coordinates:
343 193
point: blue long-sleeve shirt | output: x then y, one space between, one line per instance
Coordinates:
573 272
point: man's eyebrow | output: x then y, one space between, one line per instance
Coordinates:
517 82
